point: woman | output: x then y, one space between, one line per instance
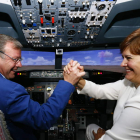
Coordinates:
126 119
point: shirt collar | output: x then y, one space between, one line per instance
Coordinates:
3 76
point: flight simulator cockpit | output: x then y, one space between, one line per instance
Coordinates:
52 33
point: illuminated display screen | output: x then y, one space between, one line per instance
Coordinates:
38 58
94 57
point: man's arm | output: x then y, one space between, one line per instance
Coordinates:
33 114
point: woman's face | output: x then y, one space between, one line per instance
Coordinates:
131 63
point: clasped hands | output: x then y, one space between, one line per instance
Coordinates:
73 72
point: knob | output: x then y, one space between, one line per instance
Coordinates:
23 21
60 40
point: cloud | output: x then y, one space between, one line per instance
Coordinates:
68 59
118 58
38 61
107 61
105 54
90 62
87 57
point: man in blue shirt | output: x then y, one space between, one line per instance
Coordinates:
22 114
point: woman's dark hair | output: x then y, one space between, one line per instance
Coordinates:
132 42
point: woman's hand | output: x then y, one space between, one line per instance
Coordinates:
72 63
69 69
74 76
99 133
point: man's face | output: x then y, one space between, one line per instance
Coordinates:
7 64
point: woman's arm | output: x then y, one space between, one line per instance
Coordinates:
81 83
109 91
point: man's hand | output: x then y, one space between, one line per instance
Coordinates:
72 73
68 67
99 133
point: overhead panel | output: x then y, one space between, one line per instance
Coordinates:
61 23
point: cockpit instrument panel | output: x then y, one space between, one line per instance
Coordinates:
69 24
61 23
50 74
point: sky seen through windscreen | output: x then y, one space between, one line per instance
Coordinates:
92 57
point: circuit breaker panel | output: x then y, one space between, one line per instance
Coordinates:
61 23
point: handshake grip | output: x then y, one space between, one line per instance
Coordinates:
74 76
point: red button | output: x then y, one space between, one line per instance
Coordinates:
41 20
52 19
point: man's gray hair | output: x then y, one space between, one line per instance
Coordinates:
8 39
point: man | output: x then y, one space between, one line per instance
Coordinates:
21 113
